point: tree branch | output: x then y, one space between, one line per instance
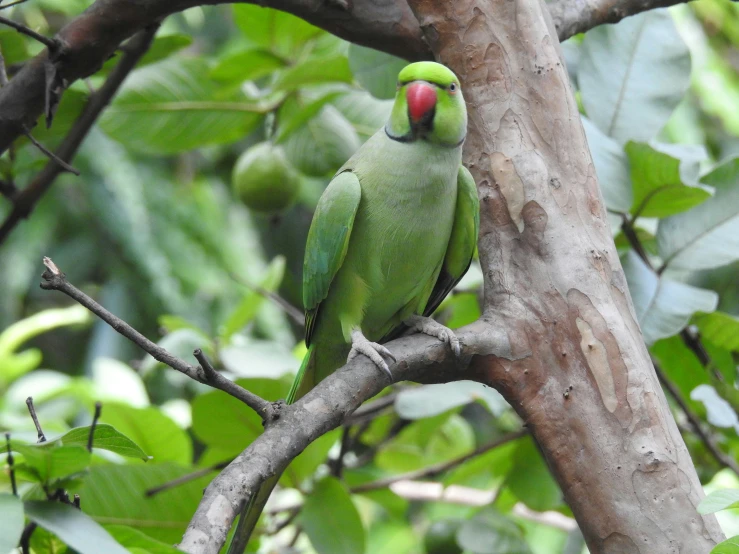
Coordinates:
420 358
25 200
54 279
571 17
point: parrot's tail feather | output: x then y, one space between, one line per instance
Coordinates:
253 509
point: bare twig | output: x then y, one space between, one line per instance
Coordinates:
50 43
90 438
337 465
32 411
436 469
11 468
49 154
295 314
25 542
26 200
723 459
76 502
54 279
6 6
186 478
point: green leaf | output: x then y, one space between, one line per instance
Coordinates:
633 74
154 433
391 536
247 309
708 235
13 46
376 71
663 306
11 522
729 546
663 177
133 538
725 499
170 107
340 533
323 144
164 46
72 526
720 413
720 329
253 358
25 329
246 65
294 113
281 33
366 113
212 409
116 495
314 71
46 542
54 462
106 437
530 479
612 167
490 532
118 382
431 400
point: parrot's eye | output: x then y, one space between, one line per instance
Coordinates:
453 87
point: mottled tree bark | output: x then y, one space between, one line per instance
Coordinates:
580 374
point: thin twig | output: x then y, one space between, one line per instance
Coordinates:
186 478
337 465
26 200
11 468
50 43
76 502
294 313
436 469
49 154
287 521
6 6
25 542
32 411
54 279
723 459
90 438
371 410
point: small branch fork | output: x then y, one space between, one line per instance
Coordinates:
54 279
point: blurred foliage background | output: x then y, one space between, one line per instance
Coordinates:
189 220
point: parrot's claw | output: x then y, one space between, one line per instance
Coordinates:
428 326
373 350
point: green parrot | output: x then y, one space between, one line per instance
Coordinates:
393 233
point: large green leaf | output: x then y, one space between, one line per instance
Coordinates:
172 107
376 71
729 546
246 65
162 47
530 479
138 542
337 532
663 306
708 235
115 495
719 411
612 167
323 144
366 113
282 33
106 437
57 462
252 358
296 111
11 522
314 71
155 433
664 178
633 74
719 328
725 499
431 400
72 526
490 532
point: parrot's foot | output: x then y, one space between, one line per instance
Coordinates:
428 326
373 350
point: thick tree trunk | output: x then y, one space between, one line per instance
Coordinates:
581 376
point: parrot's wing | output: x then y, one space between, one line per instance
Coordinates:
328 240
462 242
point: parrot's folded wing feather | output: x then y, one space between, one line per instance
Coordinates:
462 242
328 241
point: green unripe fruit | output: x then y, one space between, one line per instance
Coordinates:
264 180
441 538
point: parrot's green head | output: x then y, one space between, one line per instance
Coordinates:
428 106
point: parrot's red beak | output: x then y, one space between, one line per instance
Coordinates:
421 99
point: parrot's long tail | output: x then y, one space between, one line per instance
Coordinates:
253 509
